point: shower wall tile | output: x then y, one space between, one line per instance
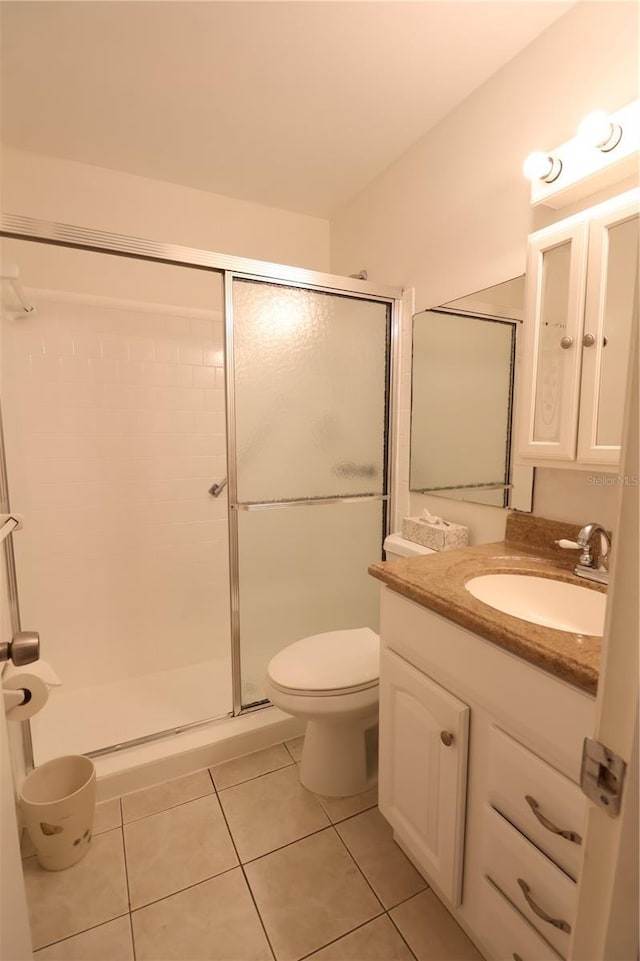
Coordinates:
115 431
213 399
204 377
166 352
190 353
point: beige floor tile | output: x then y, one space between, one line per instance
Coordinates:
215 920
310 893
161 797
376 941
108 942
388 870
174 849
107 817
294 746
270 811
251 765
63 903
431 932
339 808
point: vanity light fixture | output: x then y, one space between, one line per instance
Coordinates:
539 165
599 130
604 151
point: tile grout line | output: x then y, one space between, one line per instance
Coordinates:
288 749
126 871
386 910
126 878
353 858
246 879
409 948
340 936
76 934
179 804
165 897
254 777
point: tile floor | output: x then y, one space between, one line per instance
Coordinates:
240 863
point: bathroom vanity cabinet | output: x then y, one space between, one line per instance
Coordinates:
479 767
581 300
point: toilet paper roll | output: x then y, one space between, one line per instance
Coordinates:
40 668
37 695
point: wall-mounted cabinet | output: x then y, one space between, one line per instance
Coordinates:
581 304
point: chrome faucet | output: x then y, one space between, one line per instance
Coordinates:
586 566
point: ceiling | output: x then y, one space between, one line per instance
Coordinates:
295 105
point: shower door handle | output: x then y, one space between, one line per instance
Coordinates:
216 489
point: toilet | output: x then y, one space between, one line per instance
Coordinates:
331 681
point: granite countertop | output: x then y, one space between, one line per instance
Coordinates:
437 582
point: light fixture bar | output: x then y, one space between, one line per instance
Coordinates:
604 152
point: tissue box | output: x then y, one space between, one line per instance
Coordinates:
434 536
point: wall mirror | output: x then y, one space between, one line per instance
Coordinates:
463 377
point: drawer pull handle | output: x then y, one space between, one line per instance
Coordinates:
516 957
549 825
447 738
556 922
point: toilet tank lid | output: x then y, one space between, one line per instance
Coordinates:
398 544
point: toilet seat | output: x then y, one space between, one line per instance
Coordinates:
333 692
331 664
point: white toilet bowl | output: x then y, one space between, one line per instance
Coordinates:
331 680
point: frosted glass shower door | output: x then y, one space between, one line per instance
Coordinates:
310 391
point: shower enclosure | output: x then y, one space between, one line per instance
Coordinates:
199 447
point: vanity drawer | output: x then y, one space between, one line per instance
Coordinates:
537 799
537 888
505 932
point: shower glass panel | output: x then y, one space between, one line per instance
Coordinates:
113 405
311 387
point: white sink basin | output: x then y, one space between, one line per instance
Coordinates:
565 607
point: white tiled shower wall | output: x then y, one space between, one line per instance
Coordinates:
115 430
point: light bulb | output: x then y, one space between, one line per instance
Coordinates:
540 166
599 130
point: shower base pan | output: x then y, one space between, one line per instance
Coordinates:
112 715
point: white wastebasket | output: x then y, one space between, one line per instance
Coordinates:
58 802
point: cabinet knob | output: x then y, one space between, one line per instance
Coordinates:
447 738
588 340
566 343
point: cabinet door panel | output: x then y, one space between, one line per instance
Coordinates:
556 267
422 787
610 308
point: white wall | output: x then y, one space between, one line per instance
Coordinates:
53 189
451 216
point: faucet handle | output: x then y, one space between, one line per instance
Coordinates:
585 557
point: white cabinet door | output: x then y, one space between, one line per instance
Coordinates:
610 309
554 311
422 779
581 302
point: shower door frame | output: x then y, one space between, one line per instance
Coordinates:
16 227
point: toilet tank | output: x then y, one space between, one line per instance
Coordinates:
395 545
